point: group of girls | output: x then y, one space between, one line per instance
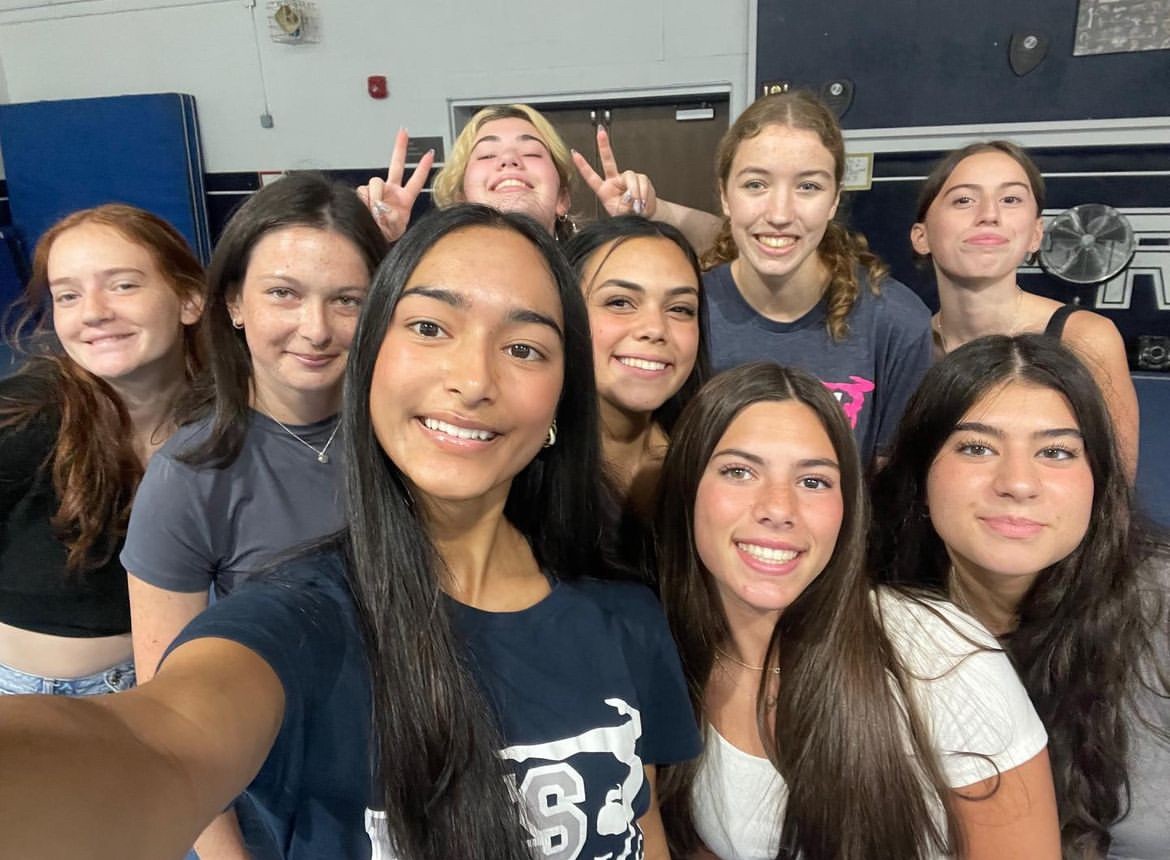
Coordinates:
475 615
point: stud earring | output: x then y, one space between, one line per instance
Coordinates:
551 439
239 324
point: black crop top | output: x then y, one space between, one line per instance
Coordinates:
36 592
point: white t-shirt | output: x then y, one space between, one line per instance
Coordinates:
976 710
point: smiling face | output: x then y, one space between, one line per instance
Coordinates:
769 507
298 304
510 169
643 302
1010 491
983 223
470 371
114 311
779 196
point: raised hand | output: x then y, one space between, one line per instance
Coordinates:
620 192
389 200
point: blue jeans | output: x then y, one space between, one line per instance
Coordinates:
112 680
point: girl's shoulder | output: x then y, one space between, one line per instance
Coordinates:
930 633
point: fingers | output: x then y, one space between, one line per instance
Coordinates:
419 178
398 157
605 152
592 177
363 194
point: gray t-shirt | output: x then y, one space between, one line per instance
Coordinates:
193 526
1144 834
873 371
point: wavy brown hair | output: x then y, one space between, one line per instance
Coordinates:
841 730
1089 627
841 250
94 467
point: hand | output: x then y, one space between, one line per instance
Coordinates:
620 192
389 200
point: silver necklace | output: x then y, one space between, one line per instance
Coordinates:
322 457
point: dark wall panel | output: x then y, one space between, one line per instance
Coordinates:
945 62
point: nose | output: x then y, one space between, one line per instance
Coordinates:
315 326
1016 476
510 157
779 206
774 505
988 210
470 371
651 325
95 307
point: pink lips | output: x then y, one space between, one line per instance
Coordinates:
1013 527
990 240
313 360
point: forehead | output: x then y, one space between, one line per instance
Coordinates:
490 265
1022 406
98 245
782 148
779 431
300 244
509 129
643 259
990 168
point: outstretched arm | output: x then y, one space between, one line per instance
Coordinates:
625 192
390 200
136 774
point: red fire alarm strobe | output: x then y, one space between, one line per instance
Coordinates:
376 85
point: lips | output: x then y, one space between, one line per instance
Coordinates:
776 243
511 183
107 339
458 432
1015 528
987 240
646 364
314 360
770 557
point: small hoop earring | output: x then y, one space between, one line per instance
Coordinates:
551 438
237 324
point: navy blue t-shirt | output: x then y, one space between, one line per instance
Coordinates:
872 371
586 684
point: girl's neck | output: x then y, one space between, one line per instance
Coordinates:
993 599
306 407
488 562
629 440
750 633
151 408
967 312
784 298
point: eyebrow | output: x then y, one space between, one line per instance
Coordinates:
989 430
974 186
801 174
459 301
104 273
638 288
495 138
809 463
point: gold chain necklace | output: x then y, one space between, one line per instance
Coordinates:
719 652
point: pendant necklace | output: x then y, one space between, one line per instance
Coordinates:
322 456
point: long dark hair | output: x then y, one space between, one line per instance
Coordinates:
95 469
580 249
1087 627
297 200
836 714
841 250
443 786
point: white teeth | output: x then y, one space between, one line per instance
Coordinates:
764 553
777 241
510 183
643 364
458 432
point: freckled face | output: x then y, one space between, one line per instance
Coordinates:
984 221
511 169
1010 491
114 310
779 196
643 301
769 507
470 371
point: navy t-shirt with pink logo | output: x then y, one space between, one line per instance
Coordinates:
872 371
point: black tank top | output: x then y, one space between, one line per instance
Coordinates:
1055 327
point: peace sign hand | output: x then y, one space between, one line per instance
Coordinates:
620 192
389 200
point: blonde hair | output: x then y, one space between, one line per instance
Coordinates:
841 250
447 188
